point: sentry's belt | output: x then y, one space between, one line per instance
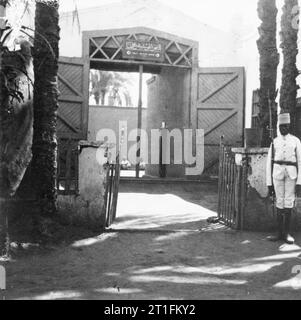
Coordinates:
286 163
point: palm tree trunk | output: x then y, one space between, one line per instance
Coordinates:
289 46
102 97
46 53
96 98
269 60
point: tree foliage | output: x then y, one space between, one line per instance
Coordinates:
108 83
15 119
15 112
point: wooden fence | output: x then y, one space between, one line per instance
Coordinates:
232 188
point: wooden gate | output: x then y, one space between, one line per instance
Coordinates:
72 120
220 111
73 100
232 187
111 192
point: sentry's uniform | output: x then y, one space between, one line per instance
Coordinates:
286 170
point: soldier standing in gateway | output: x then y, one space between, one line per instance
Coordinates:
284 176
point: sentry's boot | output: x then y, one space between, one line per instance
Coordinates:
280 221
287 223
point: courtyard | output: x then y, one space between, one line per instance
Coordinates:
161 247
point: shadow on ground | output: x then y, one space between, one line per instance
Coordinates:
161 247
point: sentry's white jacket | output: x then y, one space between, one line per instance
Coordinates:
286 148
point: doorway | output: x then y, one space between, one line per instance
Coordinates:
114 101
168 60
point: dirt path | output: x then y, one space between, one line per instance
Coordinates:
161 248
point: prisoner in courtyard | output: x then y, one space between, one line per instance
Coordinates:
284 176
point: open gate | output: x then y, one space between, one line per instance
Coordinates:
111 192
72 121
73 100
220 111
72 126
232 188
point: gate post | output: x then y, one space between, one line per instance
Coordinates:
255 211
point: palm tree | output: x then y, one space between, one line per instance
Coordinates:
45 53
269 60
289 45
100 83
15 118
110 83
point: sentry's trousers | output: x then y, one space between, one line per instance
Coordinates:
285 190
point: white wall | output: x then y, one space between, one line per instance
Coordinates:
215 45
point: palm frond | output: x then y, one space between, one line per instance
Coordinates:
75 16
4 3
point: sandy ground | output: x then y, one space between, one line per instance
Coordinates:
161 247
